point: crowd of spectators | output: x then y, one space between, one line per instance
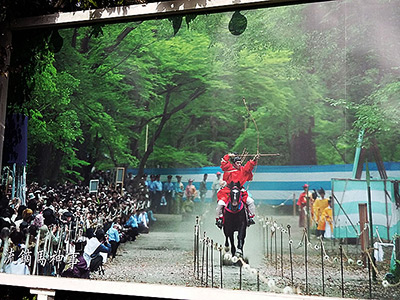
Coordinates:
169 196
67 231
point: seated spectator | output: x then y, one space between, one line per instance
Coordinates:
66 216
18 215
23 214
5 218
96 245
132 225
143 221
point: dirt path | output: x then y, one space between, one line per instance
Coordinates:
165 256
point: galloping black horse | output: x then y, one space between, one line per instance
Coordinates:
235 219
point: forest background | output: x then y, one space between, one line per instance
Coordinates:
158 93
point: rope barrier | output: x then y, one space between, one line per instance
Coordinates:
282 204
372 262
319 247
358 234
377 234
270 282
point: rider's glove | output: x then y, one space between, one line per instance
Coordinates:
219 223
251 222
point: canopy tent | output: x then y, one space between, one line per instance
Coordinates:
385 206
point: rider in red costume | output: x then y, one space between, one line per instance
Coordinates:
235 172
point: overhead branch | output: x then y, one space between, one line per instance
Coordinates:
119 63
181 106
337 150
164 118
119 39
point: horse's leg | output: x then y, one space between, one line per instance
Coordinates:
242 235
233 248
226 243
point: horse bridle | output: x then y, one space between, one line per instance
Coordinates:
234 203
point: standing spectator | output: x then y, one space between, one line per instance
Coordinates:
302 204
168 191
216 186
203 188
113 238
190 193
158 192
152 190
326 219
144 180
318 207
179 190
129 183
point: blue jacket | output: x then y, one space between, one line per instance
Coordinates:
113 234
132 222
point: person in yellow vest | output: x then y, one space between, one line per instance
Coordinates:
318 207
325 222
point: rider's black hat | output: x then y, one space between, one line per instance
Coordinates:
237 158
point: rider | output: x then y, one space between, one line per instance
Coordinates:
237 173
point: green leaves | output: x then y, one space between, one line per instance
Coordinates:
148 93
170 157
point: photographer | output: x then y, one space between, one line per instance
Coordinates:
95 245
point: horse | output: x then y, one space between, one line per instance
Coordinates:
235 219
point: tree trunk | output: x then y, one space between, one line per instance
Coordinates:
164 118
54 168
303 148
44 154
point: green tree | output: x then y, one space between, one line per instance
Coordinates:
53 126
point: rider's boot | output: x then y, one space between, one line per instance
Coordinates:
219 223
219 211
251 210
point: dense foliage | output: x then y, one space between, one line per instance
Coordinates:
144 94
26 8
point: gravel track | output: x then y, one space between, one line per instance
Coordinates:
165 256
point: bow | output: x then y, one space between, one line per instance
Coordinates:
255 125
258 135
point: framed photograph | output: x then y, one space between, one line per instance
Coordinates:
120 175
94 186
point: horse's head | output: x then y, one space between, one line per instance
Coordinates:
235 196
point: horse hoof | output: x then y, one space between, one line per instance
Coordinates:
239 253
226 249
227 256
